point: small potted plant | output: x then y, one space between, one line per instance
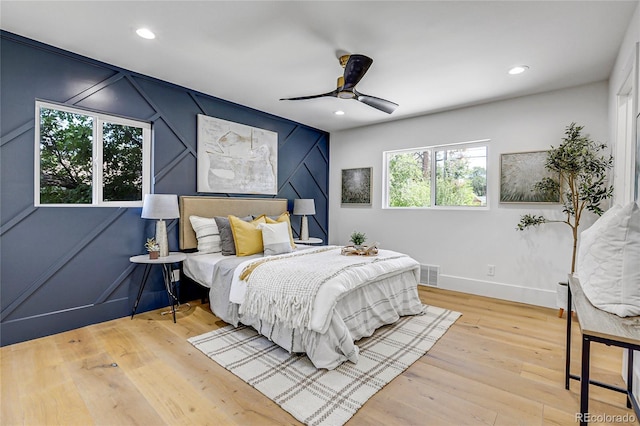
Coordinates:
153 248
358 238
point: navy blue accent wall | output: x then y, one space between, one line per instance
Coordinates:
63 268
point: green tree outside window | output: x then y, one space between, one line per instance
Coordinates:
87 159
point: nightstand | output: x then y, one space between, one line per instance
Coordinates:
310 241
165 262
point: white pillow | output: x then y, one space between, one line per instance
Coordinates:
207 234
608 261
275 238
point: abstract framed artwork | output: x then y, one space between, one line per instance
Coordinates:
519 172
236 158
356 186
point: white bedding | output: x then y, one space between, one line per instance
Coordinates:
199 267
336 287
345 309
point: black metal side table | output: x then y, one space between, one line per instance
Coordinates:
165 262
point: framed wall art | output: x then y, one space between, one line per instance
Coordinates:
519 172
356 186
235 158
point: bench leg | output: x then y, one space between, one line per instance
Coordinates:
567 355
629 377
584 380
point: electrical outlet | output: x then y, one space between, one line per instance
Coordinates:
176 275
491 270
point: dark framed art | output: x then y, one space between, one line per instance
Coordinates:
356 186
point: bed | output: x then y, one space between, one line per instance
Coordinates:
310 299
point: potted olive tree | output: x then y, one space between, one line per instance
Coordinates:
582 183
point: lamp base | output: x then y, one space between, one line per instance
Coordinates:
161 238
304 229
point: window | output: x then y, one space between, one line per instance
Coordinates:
85 158
440 176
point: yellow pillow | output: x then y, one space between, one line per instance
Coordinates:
284 217
247 238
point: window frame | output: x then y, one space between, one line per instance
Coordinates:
97 181
432 196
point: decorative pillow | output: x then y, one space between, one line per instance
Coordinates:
246 236
275 238
226 235
207 234
608 259
284 217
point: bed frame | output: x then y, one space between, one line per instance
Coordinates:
222 206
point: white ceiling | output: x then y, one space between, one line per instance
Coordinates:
428 55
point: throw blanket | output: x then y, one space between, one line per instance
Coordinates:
283 290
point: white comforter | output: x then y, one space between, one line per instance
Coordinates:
367 269
345 309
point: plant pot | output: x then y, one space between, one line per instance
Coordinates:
154 254
561 295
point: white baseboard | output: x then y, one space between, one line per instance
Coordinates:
515 293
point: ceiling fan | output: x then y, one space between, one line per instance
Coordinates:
355 67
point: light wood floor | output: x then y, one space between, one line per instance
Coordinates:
502 363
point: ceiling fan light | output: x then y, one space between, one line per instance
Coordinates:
345 94
519 69
145 33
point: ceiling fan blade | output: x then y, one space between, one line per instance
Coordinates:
333 93
355 69
377 103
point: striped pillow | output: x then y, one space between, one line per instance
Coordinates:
275 238
207 234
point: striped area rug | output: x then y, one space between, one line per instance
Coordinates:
325 397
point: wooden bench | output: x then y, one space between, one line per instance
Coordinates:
599 326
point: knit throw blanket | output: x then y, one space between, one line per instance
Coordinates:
282 289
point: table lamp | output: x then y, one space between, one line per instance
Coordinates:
161 206
304 207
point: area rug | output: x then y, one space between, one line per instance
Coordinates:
325 397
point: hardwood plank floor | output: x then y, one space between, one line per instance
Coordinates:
501 363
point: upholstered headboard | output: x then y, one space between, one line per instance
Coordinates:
222 206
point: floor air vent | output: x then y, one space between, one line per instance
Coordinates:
429 274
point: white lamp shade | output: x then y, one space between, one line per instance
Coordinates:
160 206
304 206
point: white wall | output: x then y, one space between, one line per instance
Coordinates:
626 66
627 63
527 264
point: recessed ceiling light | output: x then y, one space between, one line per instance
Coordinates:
145 33
338 112
518 69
